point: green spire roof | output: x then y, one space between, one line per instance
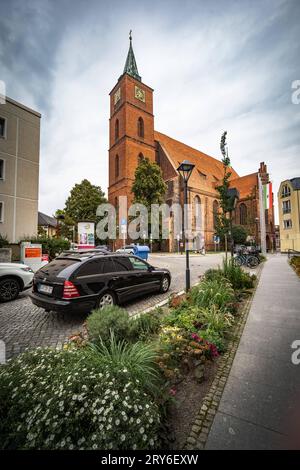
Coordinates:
130 65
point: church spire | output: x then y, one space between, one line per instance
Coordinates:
130 64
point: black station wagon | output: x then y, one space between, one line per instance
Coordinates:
81 281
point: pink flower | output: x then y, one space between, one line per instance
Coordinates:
195 337
172 392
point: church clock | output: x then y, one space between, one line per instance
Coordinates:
139 94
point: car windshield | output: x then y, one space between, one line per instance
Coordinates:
139 264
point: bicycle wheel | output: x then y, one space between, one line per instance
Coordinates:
252 262
238 260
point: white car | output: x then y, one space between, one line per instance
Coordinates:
14 278
126 249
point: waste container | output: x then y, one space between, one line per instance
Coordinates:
142 251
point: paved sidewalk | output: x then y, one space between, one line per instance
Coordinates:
260 405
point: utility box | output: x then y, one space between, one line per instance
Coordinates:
142 251
31 255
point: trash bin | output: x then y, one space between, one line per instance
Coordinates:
142 251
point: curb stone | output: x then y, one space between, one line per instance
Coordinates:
210 403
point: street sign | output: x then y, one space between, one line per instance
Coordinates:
216 239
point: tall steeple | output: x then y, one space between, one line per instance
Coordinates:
130 64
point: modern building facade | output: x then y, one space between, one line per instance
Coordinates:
19 170
132 137
289 214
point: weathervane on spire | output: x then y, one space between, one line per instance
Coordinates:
130 64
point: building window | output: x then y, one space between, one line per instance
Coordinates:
117 129
243 214
2 169
140 158
286 206
197 213
2 127
286 191
140 127
215 213
1 211
117 166
203 176
287 224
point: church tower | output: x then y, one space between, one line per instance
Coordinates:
131 129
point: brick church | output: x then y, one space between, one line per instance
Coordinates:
132 137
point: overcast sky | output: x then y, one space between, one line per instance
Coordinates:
214 66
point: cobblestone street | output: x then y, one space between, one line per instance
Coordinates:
23 325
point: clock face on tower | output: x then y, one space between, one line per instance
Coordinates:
139 94
117 96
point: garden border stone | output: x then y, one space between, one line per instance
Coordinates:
201 425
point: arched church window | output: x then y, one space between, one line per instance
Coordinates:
140 158
215 213
117 129
140 127
197 213
117 166
243 214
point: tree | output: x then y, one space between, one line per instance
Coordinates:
239 234
223 223
83 202
148 186
65 225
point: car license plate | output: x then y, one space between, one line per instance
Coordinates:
44 289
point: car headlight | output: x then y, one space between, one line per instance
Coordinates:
27 269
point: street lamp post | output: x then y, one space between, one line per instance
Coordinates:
185 170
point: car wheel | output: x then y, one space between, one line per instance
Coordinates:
9 289
165 284
106 300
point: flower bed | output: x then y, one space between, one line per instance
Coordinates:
114 389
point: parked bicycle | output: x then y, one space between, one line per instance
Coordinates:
244 258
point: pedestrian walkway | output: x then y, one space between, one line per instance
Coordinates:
260 405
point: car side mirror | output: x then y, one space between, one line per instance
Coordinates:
150 268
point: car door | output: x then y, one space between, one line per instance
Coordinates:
123 279
146 280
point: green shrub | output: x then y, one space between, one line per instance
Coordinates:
182 317
214 338
53 246
3 241
138 358
238 278
208 293
144 326
71 400
214 275
111 318
215 319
